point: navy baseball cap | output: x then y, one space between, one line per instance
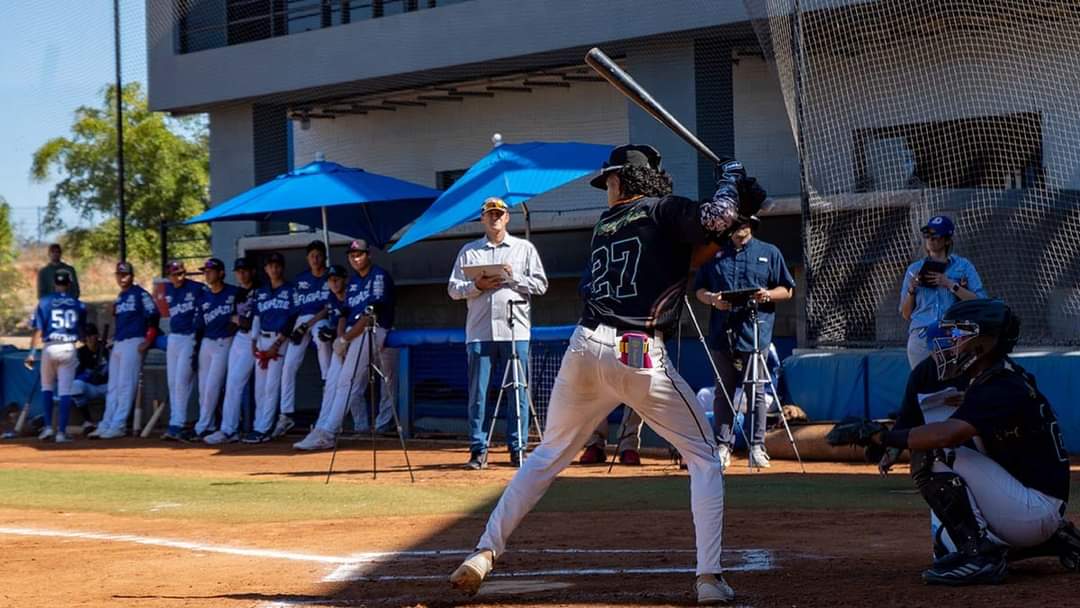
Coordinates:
274 258
124 268
939 225
175 266
214 264
337 270
62 277
629 155
243 264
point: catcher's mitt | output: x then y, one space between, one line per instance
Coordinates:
327 334
854 431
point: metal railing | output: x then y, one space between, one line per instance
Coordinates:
203 25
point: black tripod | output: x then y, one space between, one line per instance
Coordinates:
515 379
373 372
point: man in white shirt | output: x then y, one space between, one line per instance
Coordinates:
490 331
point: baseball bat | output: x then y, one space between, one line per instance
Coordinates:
24 415
159 407
611 72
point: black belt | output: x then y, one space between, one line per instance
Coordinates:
594 323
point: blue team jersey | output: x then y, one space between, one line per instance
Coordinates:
310 292
335 308
183 302
134 310
214 318
376 289
60 318
276 308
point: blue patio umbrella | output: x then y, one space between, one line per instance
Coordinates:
351 201
513 172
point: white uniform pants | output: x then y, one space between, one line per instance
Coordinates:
239 368
268 383
388 358
590 383
180 376
295 357
125 365
213 362
1011 511
348 388
58 365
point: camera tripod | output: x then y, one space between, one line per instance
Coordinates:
515 381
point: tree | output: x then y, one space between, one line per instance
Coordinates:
11 309
166 178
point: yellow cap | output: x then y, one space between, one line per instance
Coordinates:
492 203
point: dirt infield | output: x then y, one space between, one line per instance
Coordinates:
786 555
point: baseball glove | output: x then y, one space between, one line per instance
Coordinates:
854 431
327 334
298 333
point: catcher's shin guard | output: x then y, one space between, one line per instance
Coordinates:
1068 540
947 496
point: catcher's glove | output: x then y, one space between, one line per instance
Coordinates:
327 334
297 335
854 431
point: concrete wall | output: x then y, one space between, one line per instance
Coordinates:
232 171
764 139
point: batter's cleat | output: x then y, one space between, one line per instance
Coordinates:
711 589
218 438
593 454
476 462
988 567
315 440
723 453
255 437
111 434
46 434
758 458
471 573
285 424
630 458
62 438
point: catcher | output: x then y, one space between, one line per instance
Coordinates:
995 472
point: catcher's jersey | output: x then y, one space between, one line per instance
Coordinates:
60 318
1018 428
183 302
639 263
310 292
216 311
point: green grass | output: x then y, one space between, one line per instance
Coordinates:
233 500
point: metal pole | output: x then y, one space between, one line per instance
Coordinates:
122 214
325 235
800 145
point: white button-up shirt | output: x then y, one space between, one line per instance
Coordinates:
488 320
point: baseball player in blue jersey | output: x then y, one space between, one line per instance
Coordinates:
214 329
311 293
58 323
136 322
322 436
182 296
241 360
275 314
642 249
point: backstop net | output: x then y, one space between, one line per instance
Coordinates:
905 109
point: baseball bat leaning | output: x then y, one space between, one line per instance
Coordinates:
159 407
611 72
24 415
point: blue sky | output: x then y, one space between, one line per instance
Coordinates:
54 57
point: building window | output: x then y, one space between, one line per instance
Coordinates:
445 179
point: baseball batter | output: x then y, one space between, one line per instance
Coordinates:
136 322
311 293
642 248
215 331
241 355
58 323
182 296
275 314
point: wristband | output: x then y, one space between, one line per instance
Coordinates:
894 438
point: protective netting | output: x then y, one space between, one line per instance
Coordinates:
905 109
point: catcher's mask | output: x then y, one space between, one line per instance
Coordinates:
973 330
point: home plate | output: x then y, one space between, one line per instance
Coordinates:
521 586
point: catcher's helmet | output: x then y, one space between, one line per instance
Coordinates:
974 329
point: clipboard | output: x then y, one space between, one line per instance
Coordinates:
485 270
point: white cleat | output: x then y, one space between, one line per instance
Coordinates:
218 438
711 589
285 424
724 453
110 434
45 434
315 440
758 458
62 438
471 573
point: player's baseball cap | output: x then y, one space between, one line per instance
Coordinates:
493 203
214 264
243 264
358 245
316 246
274 258
124 268
939 225
174 266
633 155
337 270
62 277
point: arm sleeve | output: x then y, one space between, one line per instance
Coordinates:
531 280
460 287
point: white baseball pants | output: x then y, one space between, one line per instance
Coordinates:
59 363
213 363
350 383
180 376
590 383
268 383
294 357
125 363
240 365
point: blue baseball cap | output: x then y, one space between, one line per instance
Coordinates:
939 225
243 264
337 270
